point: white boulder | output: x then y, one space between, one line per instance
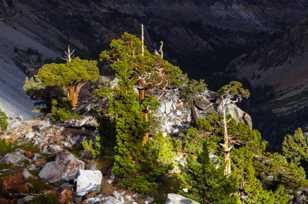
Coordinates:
88 181
178 199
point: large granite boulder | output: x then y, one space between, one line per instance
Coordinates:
65 167
88 181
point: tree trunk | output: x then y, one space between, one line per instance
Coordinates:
144 112
146 119
73 94
227 159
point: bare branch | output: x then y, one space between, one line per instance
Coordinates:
69 54
142 40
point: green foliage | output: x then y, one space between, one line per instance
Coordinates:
162 147
281 196
280 171
150 103
244 171
155 160
67 74
94 148
191 141
251 165
235 89
137 165
206 182
242 135
295 147
60 111
32 84
3 121
125 59
211 128
191 89
5 147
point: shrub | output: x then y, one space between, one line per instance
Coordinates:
60 112
5 147
94 148
3 121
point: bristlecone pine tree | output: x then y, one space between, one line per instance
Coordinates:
70 76
231 93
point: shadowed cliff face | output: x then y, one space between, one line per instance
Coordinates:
201 36
279 71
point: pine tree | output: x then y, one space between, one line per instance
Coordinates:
207 181
295 147
70 77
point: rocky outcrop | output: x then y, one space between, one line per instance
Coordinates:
50 138
238 114
175 115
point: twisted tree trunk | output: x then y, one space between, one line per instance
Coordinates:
73 93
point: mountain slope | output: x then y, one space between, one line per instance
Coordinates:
12 98
202 36
281 71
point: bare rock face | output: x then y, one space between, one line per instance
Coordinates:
172 113
175 115
238 114
65 167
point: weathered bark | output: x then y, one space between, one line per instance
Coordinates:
73 93
141 90
142 40
161 49
226 147
144 112
146 119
